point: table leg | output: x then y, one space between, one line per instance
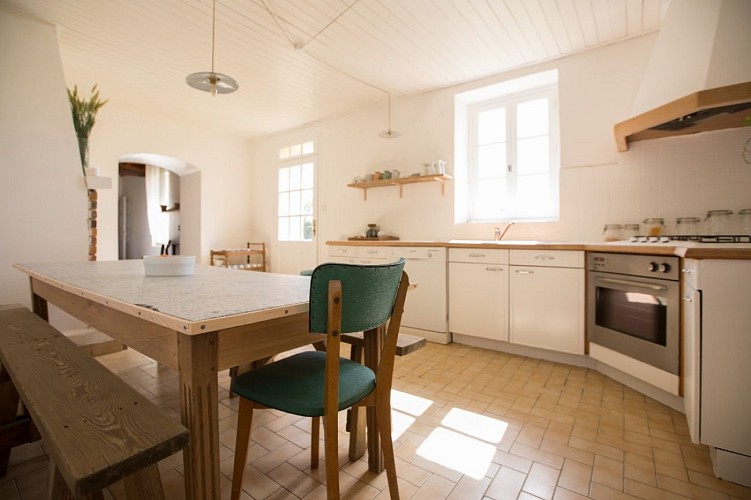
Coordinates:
199 400
373 340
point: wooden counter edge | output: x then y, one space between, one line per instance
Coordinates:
700 252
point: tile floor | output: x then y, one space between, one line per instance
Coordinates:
469 424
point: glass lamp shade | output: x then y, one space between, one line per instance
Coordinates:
214 83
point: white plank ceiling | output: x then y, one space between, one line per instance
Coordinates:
349 55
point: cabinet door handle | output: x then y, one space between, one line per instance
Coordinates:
688 298
494 269
371 251
477 255
544 257
524 271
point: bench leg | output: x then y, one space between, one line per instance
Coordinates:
146 484
8 411
57 489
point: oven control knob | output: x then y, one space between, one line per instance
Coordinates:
653 267
665 267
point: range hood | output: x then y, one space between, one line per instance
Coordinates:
703 111
698 78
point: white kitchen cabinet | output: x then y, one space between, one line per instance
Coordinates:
717 362
546 291
478 293
691 347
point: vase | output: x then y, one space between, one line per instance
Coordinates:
83 149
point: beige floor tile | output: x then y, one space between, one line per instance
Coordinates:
575 477
608 472
649 492
506 485
541 481
640 468
711 482
564 494
687 489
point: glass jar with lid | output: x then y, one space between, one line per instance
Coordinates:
655 226
613 232
630 231
745 216
687 226
719 222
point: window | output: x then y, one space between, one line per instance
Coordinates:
506 152
296 192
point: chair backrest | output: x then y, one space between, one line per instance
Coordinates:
369 294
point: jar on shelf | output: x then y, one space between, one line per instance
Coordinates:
655 226
687 226
719 222
613 232
630 231
745 216
372 231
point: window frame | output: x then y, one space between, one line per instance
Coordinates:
286 161
507 95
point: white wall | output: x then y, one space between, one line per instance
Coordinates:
668 178
43 202
216 215
596 89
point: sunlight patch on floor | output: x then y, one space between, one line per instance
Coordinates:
409 403
458 452
475 425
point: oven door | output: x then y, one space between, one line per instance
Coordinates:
637 317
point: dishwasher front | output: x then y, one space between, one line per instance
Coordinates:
425 310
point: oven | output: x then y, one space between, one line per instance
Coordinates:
633 307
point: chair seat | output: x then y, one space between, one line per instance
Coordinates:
296 384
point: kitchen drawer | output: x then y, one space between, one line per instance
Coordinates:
371 252
479 255
547 258
342 251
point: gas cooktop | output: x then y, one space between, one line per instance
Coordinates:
726 238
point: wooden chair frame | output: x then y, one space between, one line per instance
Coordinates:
379 398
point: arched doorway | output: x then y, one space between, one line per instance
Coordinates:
180 206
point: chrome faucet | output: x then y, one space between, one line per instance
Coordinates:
500 234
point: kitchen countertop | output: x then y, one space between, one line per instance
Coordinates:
685 249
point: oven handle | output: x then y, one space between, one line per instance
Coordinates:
631 283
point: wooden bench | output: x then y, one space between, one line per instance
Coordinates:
96 428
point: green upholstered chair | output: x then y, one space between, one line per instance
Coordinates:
344 298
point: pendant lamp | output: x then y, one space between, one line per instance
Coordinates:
389 134
211 81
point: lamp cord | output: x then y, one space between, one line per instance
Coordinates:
213 36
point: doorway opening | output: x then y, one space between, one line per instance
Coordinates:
158 203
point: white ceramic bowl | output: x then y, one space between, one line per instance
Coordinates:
169 265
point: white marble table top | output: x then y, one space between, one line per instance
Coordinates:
195 301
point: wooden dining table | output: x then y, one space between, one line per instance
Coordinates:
198 324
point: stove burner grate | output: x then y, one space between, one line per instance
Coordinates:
725 238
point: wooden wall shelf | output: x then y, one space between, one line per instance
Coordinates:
440 178
703 111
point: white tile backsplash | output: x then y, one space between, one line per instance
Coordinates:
669 178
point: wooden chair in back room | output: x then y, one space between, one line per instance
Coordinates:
343 298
